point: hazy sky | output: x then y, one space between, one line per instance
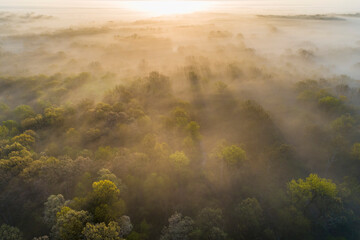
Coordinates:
316 6
60 2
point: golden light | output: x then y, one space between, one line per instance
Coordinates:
168 7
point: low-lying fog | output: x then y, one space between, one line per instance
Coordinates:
246 47
35 41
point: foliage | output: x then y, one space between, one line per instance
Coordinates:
210 224
74 168
180 228
70 223
312 190
53 205
101 231
249 215
179 159
232 155
10 233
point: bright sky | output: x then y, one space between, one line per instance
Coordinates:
172 6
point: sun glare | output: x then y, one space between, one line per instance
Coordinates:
168 7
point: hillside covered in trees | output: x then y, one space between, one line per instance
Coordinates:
176 129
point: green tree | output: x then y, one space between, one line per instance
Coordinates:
101 231
105 153
41 238
33 122
104 202
54 116
70 223
179 228
105 191
193 129
232 155
355 151
10 233
106 174
331 104
12 126
26 139
142 233
249 219
343 124
4 132
293 224
210 225
179 118
53 205
317 198
313 190
179 159
157 85
24 111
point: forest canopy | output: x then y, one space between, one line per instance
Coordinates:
181 128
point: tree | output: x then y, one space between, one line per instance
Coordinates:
16 158
293 224
70 223
316 191
317 198
249 218
103 202
10 233
282 161
106 174
105 191
101 231
179 118
343 124
157 85
12 126
105 153
193 129
143 232
179 228
26 139
256 126
210 224
53 205
4 132
232 155
54 116
331 104
41 238
179 159
355 151
23 111
125 226
33 122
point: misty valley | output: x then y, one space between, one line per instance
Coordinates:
199 126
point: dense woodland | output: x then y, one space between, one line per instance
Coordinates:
231 147
147 164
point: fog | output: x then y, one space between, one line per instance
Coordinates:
181 113
326 42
